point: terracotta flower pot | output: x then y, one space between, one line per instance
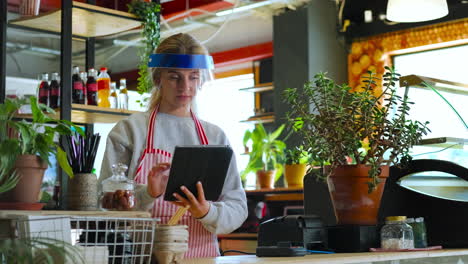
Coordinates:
352 203
266 179
294 174
31 170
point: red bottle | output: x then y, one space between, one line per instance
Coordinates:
78 89
44 89
54 99
91 87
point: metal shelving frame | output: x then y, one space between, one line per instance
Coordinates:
65 66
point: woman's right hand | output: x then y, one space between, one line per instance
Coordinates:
157 179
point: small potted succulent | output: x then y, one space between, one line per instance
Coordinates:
297 162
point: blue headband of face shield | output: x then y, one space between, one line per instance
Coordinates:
185 61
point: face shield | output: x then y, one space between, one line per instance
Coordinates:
202 63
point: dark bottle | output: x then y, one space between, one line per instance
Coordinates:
83 77
78 89
54 100
44 90
91 87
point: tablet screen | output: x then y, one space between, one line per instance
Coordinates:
205 163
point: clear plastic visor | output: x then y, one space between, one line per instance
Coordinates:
203 64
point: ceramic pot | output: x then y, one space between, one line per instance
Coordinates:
266 179
30 169
352 203
294 174
83 192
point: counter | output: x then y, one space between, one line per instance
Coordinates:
132 214
456 256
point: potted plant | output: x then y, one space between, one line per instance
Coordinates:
359 134
297 162
25 147
148 12
266 156
33 249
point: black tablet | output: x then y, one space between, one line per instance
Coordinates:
205 163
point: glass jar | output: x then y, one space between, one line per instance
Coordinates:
396 234
118 192
419 231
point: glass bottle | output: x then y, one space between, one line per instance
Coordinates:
118 192
83 77
91 87
44 90
113 99
396 234
123 95
77 84
419 231
54 99
103 82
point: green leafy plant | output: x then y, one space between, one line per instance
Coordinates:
38 250
149 13
35 137
344 127
267 151
245 140
297 155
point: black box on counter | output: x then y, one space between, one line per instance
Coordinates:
353 238
295 231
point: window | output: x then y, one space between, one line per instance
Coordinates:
222 104
445 64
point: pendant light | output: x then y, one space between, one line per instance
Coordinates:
416 10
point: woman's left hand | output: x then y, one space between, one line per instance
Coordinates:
198 206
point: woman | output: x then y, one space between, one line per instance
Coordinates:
145 141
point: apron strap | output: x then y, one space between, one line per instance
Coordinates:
149 135
152 127
200 131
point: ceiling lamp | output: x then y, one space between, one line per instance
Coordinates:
416 10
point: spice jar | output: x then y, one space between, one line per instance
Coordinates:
396 234
419 231
118 192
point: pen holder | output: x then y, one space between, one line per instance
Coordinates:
170 243
82 192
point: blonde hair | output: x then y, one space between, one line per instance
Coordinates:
176 44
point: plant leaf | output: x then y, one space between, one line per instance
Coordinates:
63 161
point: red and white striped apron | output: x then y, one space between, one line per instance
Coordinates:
201 242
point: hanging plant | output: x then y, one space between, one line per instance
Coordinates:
149 13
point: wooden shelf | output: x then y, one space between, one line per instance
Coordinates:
259 88
281 197
238 236
268 118
443 142
90 114
281 190
88 21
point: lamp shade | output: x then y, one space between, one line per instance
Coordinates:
416 10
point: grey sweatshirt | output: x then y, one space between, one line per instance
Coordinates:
126 143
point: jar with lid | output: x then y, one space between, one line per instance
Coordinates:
396 234
419 231
118 192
